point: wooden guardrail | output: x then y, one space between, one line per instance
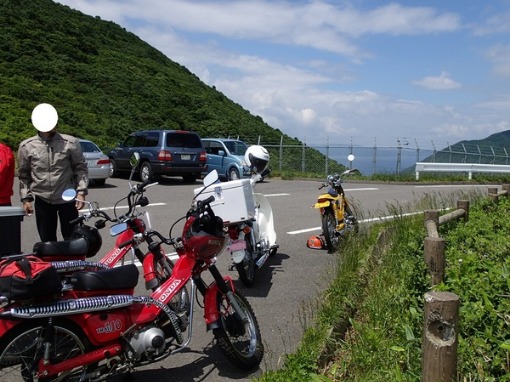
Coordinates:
441 311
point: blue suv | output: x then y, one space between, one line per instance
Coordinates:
162 152
227 157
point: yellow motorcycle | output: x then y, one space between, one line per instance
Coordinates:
337 216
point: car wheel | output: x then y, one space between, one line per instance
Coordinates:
113 169
146 172
189 178
233 174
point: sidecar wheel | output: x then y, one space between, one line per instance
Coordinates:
239 341
21 349
329 231
247 267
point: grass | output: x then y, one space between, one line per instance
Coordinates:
369 324
403 177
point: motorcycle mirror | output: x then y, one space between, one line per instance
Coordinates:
117 229
211 178
69 194
135 159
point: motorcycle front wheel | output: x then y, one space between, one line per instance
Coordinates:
329 231
22 348
239 341
246 268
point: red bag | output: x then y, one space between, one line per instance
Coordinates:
25 277
6 174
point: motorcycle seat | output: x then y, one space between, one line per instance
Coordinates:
123 277
67 248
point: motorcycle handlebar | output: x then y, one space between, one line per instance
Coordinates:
169 241
201 204
91 213
126 243
141 187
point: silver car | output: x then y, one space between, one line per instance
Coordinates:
97 162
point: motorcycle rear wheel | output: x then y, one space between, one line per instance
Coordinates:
21 349
246 269
329 231
239 341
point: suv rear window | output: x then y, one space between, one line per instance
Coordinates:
183 140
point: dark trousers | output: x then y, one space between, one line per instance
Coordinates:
47 216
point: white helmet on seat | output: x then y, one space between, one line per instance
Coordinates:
256 158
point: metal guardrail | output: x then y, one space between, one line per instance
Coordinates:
460 167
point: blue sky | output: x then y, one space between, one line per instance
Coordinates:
429 72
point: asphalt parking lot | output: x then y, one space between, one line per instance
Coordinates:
285 292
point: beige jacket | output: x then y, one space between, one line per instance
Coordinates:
47 168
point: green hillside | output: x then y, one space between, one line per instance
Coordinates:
104 81
494 149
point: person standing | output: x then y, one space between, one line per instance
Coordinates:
6 175
48 164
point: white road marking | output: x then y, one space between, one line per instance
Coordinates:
361 221
276 194
362 189
125 207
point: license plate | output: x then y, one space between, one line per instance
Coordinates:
185 157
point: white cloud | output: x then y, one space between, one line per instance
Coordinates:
291 62
316 24
499 23
499 56
441 82
500 104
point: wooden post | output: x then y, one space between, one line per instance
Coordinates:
506 187
432 222
434 256
492 194
439 362
464 204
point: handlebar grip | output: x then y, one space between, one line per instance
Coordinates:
78 219
209 200
205 202
126 243
141 186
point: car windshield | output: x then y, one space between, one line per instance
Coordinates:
236 147
89 147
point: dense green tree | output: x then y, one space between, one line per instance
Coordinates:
104 81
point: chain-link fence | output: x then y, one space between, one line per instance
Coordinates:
370 160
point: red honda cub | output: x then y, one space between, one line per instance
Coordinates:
96 327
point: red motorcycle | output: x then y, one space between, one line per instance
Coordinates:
71 255
97 327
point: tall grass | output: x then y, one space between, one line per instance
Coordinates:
370 322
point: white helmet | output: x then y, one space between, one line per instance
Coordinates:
256 158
